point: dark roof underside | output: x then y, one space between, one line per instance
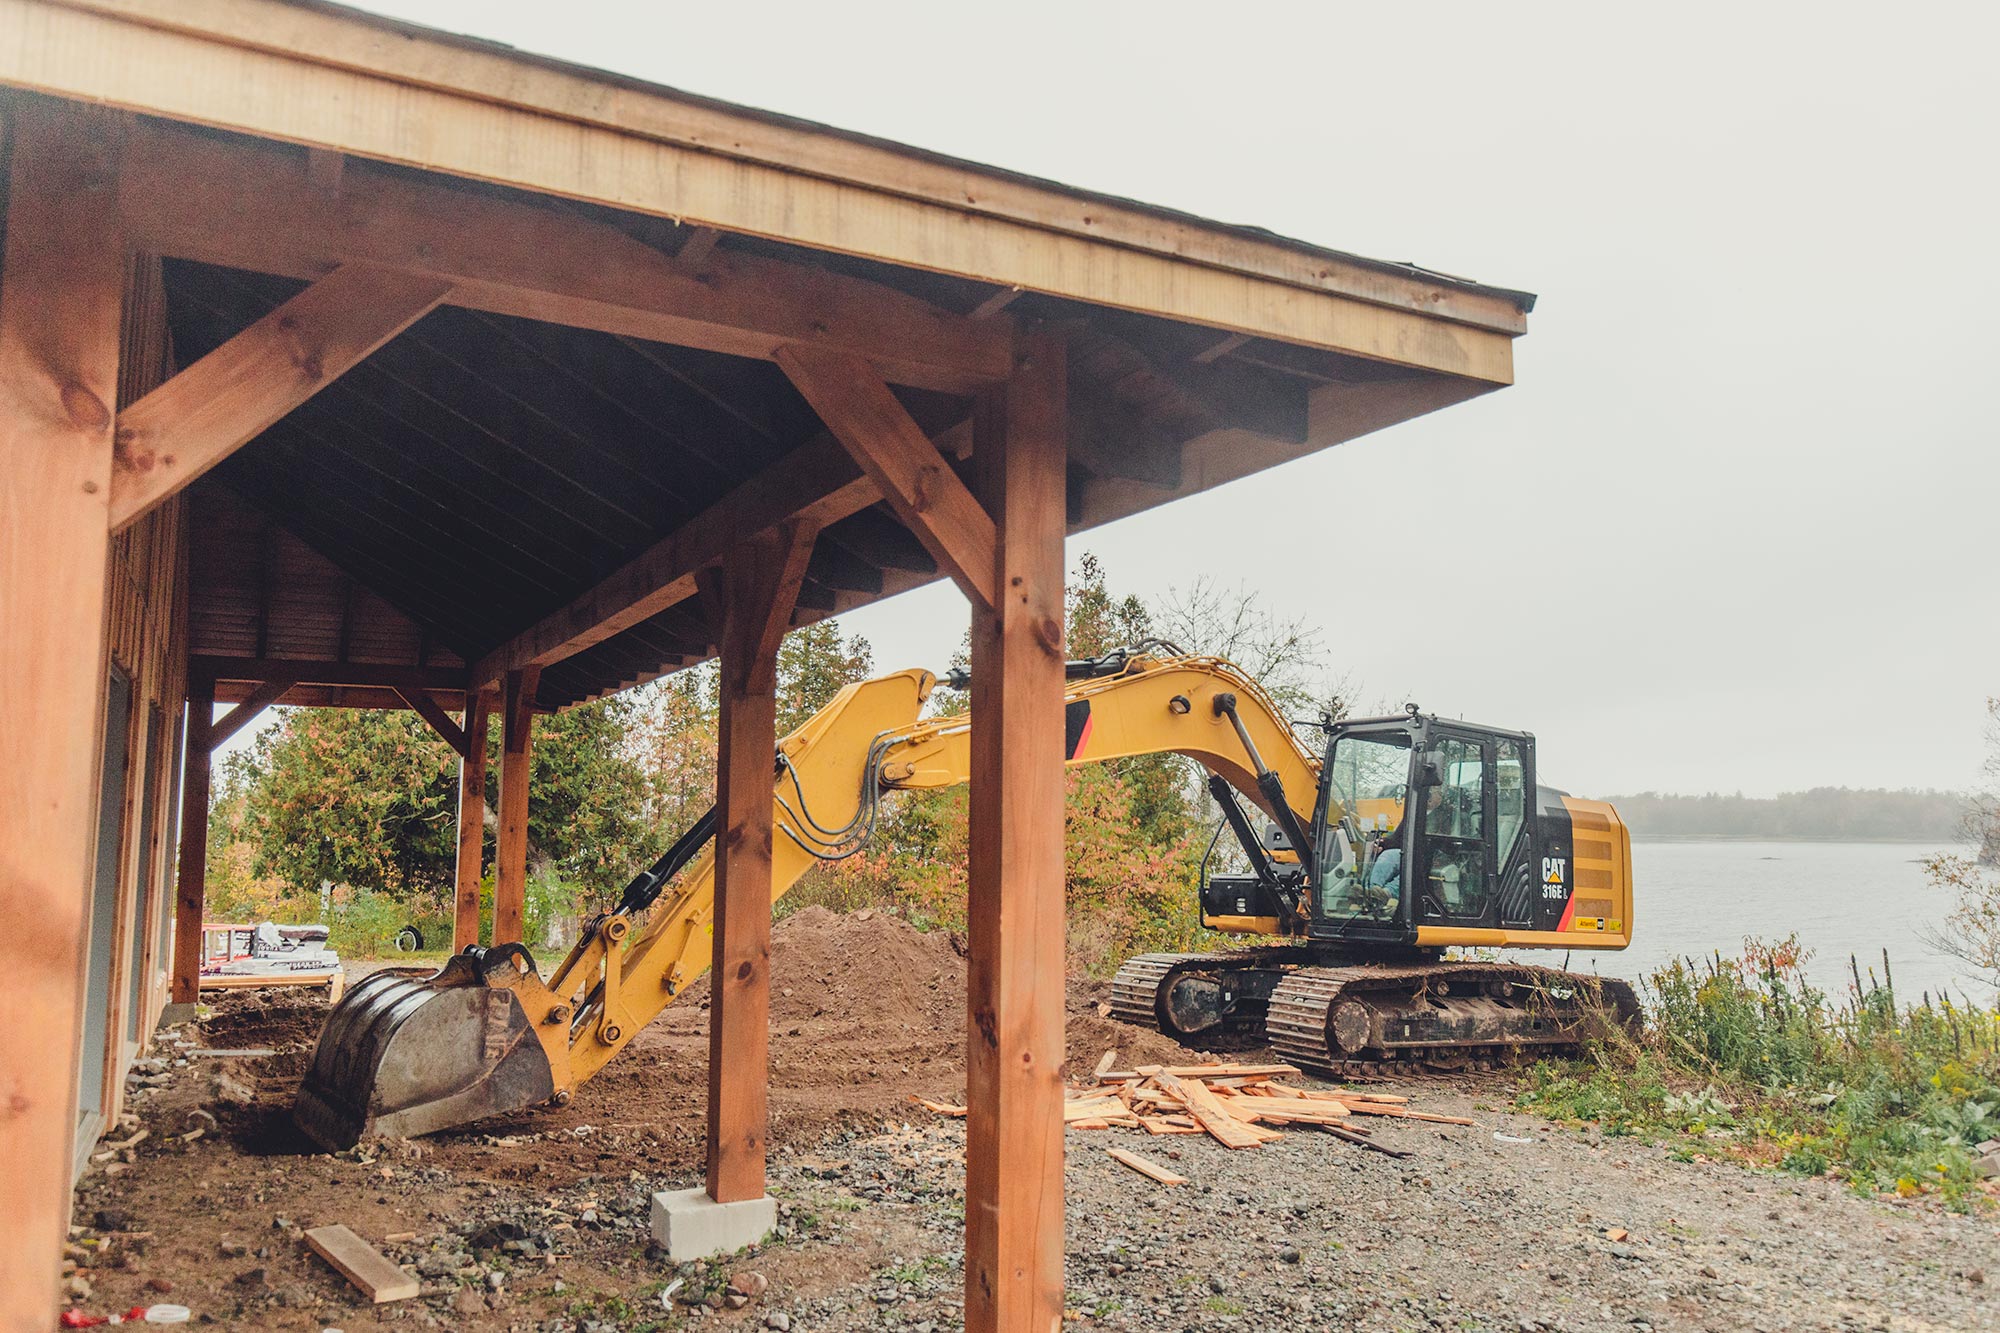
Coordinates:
480 471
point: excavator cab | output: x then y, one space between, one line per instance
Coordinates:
1430 832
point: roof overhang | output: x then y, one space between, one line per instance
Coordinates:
334 78
565 298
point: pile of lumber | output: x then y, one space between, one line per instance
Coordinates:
1238 1105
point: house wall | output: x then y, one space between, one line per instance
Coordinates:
131 933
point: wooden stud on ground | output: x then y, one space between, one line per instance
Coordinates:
1146 1167
510 847
760 584
471 823
362 1264
62 281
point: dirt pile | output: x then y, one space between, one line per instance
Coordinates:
866 1010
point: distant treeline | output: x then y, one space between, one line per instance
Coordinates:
1824 812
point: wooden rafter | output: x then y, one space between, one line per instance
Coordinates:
252 206
818 484
893 450
223 401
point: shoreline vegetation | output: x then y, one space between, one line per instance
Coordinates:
1743 1059
1822 814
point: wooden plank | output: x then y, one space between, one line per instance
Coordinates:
510 844
266 694
1146 1166
1403 1113
760 583
471 870
893 450
251 206
817 484
226 399
1014 1047
62 279
571 132
1104 1063
362 1264
1202 1105
440 721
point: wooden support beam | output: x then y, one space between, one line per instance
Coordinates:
1014 1046
816 484
760 581
62 277
471 823
192 877
440 721
893 450
366 674
267 693
510 847
223 401
252 206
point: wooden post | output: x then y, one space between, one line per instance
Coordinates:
61 287
1014 1047
471 822
760 583
192 881
510 848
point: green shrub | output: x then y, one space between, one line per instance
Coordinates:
1743 1055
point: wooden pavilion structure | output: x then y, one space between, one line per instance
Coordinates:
351 363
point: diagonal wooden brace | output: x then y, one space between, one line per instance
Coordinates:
859 411
223 401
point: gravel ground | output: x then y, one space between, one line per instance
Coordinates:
538 1223
1475 1232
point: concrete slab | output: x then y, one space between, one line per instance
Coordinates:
693 1226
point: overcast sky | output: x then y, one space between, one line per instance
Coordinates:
1734 526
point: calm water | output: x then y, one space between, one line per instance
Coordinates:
1692 898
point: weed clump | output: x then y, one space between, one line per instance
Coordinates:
1742 1057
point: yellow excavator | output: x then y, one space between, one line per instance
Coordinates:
1394 840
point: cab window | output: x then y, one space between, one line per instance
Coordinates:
1511 807
1366 787
1453 881
1456 808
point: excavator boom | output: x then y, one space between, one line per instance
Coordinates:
409 1052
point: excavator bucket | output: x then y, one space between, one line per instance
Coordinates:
407 1053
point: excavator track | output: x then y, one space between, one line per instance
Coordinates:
1442 1016
1355 1020
1215 1001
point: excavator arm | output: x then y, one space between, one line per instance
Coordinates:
407 1054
